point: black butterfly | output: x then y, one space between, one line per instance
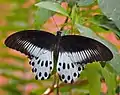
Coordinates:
72 52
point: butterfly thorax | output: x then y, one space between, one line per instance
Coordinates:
58 37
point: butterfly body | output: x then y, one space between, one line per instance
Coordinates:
56 45
68 54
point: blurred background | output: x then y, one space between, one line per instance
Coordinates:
16 77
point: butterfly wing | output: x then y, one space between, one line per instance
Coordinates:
76 51
38 46
67 69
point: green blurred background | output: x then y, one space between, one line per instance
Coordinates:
15 73
16 77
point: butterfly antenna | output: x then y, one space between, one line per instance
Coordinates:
66 20
55 23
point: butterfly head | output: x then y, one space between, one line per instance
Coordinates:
59 33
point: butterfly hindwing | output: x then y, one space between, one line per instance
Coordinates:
67 69
42 66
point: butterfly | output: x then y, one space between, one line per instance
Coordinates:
72 52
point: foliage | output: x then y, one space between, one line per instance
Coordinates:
85 18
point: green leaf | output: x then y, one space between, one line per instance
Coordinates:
56 7
17 20
85 2
17 79
7 55
111 8
115 62
38 91
12 89
117 90
110 80
106 23
12 1
59 1
5 66
41 16
93 76
71 3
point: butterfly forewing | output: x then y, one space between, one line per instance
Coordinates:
76 51
29 41
87 48
38 45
